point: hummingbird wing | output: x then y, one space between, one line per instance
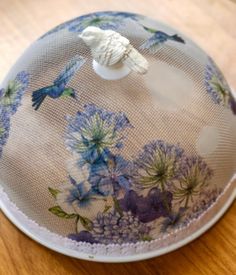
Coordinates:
69 70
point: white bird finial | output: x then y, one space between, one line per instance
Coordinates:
114 56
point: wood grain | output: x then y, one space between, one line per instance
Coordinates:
212 24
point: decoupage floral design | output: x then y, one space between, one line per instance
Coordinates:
10 97
10 100
120 200
104 20
217 87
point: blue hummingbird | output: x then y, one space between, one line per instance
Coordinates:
59 89
158 38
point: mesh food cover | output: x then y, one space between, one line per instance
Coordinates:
122 169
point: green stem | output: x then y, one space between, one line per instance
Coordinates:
186 202
117 206
77 219
165 201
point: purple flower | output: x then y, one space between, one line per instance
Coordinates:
217 87
92 132
82 236
158 164
10 97
108 176
156 204
206 199
195 174
4 128
112 228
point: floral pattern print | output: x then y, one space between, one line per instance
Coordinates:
95 131
10 100
104 20
194 175
158 164
119 200
4 128
108 176
217 87
10 97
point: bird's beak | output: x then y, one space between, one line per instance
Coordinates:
74 96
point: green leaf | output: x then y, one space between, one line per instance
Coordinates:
54 192
87 224
56 210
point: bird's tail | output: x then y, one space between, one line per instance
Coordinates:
177 38
38 97
135 61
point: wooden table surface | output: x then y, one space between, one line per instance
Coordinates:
212 24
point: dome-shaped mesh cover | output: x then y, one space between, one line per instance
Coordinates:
124 165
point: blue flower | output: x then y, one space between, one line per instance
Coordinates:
147 208
108 176
217 86
76 198
103 20
158 164
195 174
4 128
92 132
10 97
174 220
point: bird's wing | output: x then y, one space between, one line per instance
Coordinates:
135 61
149 29
149 43
69 70
111 50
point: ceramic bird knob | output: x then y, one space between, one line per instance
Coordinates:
112 50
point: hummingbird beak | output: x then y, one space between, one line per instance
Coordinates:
74 96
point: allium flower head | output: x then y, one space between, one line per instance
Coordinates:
94 131
4 128
112 228
217 86
158 164
10 97
108 176
194 175
206 199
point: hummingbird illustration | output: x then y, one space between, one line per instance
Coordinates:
59 89
158 38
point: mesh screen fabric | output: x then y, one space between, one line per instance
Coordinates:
35 156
